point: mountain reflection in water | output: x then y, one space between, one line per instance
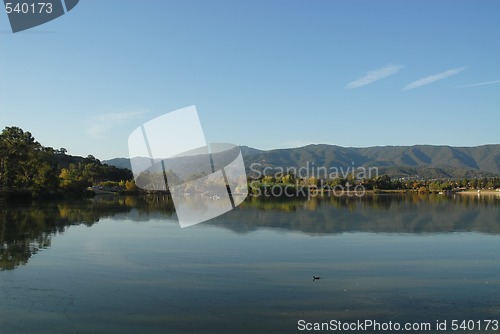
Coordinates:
26 229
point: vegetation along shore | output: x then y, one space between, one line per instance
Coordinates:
28 169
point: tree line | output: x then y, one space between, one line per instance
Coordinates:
27 167
376 183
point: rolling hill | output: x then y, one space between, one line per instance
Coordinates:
422 161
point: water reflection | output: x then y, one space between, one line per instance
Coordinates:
25 229
376 214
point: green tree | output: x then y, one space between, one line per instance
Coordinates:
269 179
382 182
289 179
338 181
73 179
24 163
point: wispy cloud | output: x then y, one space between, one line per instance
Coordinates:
480 84
375 75
433 78
99 125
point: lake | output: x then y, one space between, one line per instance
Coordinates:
123 265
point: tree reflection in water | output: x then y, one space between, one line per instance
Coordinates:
26 229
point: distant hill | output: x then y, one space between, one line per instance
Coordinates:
423 161
121 162
426 161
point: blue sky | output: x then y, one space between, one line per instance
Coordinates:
267 74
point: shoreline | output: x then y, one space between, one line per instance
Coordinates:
479 192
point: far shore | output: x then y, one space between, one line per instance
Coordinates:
475 192
479 192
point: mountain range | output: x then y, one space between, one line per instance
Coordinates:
418 161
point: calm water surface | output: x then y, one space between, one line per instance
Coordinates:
123 265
